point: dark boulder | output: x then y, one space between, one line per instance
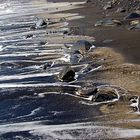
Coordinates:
132 16
102 96
67 74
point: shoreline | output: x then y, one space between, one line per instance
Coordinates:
125 59
124 41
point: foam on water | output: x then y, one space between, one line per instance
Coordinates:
33 112
5 78
17 85
67 131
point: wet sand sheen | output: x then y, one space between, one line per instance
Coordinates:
48 108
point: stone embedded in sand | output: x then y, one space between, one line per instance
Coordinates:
132 15
108 22
102 96
29 36
121 10
86 91
65 32
67 74
43 42
41 23
48 65
81 46
108 6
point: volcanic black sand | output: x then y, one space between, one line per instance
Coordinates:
102 101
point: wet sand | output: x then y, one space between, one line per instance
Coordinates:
120 58
35 104
122 48
124 41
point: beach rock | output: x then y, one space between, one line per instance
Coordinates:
108 6
108 22
41 23
88 91
102 96
65 32
121 10
132 16
67 74
48 65
81 46
43 42
29 36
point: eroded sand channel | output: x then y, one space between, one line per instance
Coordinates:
36 103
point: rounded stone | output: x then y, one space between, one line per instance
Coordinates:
67 74
105 95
